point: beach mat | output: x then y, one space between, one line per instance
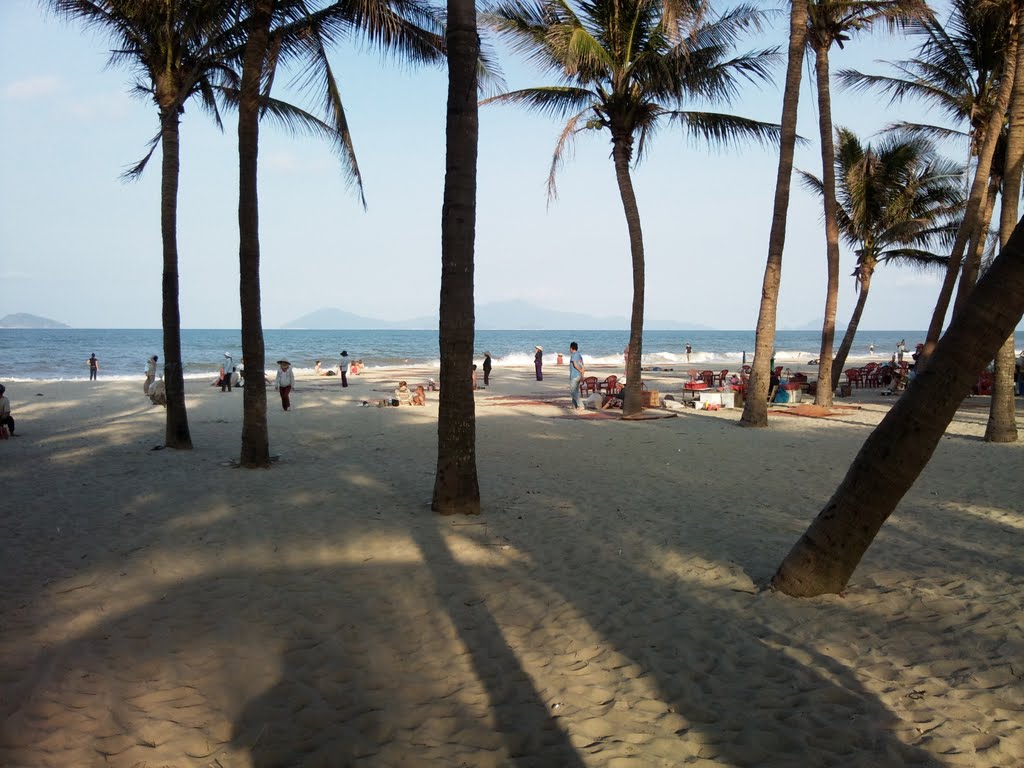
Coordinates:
814 411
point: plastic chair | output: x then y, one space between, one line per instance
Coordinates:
588 385
609 385
853 377
708 377
723 376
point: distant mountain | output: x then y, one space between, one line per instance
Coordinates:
500 315
25 320
330 318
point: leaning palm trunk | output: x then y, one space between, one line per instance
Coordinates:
755 409
456 488
622 145
255 441
974 202
1002 417
972 264
177 433
823 396
851 330
825 557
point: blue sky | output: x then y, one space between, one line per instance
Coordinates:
80 246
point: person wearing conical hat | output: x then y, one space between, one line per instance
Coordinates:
538 361
343 368
285 380
487 368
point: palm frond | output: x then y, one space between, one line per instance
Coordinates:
715 127
556 101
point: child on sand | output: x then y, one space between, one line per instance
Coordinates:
402 394
419 397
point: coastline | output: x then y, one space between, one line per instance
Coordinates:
164 607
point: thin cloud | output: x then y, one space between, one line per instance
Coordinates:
32 87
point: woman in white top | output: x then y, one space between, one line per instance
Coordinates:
285 380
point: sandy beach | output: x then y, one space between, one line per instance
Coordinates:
164 608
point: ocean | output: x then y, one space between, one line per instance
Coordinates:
33 355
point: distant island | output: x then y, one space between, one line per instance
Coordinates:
496 316
25 320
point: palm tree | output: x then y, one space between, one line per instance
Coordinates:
181 50
281 31
755 409
826 555
1002 419
626 66
989 140
894 201
456 489
956 71
832 22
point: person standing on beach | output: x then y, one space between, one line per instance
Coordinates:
689 349
94 366
538 361
901 349
487 368
5 411
343 368
151 374
226 371
576 370
285 380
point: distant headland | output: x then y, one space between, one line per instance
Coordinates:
25 320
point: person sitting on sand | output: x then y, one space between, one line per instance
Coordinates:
402 394
419 397
158 393
614 400
5 411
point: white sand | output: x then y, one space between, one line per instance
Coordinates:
162 608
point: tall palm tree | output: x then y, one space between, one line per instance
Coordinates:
755 408
180 49
280 32
956 71
895 201
826 555
1002 418
989 140
627 66
456 488
833 22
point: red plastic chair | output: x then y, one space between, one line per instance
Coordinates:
708 377
853 377
609 386
588 385
722 377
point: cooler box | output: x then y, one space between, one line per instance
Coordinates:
788 393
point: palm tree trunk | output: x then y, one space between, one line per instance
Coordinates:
1002 417
972 264
456 488
255 441
755 409
978 185
851 329
1002 412
823 396
825 557
176 433
622 152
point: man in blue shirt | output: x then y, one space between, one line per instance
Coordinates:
576 370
